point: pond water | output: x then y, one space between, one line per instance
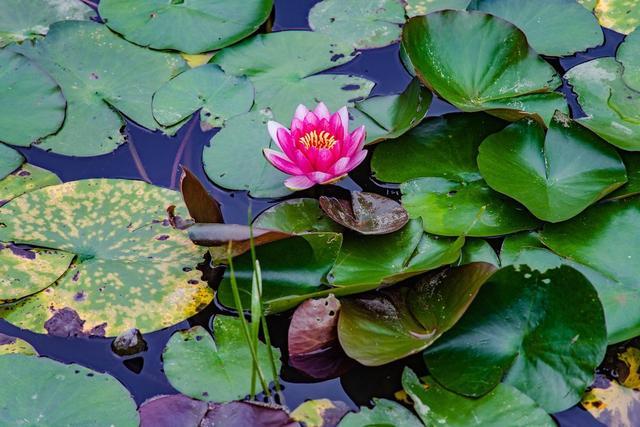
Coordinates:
156 158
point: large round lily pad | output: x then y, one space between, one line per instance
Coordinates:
384 413
22 20
186 26
555 176
628 55
101 75
543 21
475 61
31 103
538 343
363 24
39 391
219 370
10 160
622 16
132 268
502 406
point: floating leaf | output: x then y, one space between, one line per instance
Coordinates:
612 404
219 370
588 4
191 27
42 391
478 250
11 345
10 160
366 213
31 103
363 24
379 328
599 86
384 413
388 117
220 235
241 414
25 179
632 187
172 410
628 54
474 60
502 406
320 413
208 89
537 338
101 75
23 20
555 176
622 16
543 20
296 216
201 205
423 7
132 268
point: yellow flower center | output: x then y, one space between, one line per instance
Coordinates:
318 140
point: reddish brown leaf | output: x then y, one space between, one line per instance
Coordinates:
202 207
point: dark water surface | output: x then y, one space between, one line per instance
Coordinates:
156 158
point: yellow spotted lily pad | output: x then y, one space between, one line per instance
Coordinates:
12 345
622 16
132 268
25 179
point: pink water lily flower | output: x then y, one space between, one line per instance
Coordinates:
318 149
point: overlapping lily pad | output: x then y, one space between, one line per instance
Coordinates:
296 216
219 370
476 61
612 404
25 179
628 55
191 26
384 412
539 344
377 329
31 103
10 160
319 413
208 89
632 187
622 16
423 7
542 21
363 24
504 405
132 268
12 345
555 176
42 391
23 20
101 76
478 250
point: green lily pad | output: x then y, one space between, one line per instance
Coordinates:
423 7
622 16
31 103
219 370
133 270
285 69
384 413
319 413
502 406
23 20
206 88
380 328
363 24
588 4
388 117
628 55
186 26
478 250
600 89
556 176
25 179
102 77
296 216
45 392
632 187
537 342
10 160
543 20
475 61
12 345
611 403
367 262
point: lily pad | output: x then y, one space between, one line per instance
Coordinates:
12 345
25 179
363 24
628 55
622 16
502 406
388 117
202 206
366 213
23 20
384 413
31 103
365 263
172 410
186 26
132 268
612 404
632 187
474 60
319 413
380 328
10 160
556 176
208 89
543 20
285 69
219 370
478 250
46 392
537 339
102 78
599 86
423 7
296 216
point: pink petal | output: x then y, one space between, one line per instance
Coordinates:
356 160
274 127
281 162
335 126
344 118
322 111
300 182
357 142
301 160
324 159
340 166
301 112
310 122
320 177
297 125
285 142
